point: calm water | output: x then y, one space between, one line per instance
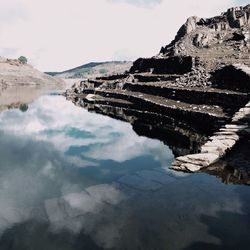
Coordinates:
74 180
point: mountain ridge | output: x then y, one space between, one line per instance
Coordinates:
94 69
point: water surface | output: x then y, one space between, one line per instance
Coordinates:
71 179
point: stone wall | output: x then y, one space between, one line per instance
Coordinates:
231 77
226 100
171 65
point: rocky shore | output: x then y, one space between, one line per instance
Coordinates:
194 94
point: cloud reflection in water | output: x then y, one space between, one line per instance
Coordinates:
78 180
37 173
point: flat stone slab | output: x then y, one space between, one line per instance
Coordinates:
202 159
90 97
245 110
156 176
226 143
213 150
140 183
225 133
235 126
180 166
234 137
232 130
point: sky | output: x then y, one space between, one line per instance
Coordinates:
56 35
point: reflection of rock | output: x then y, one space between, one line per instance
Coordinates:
229 174
235 167
180 137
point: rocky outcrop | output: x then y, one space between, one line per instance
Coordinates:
223 38
234 77
201 78
171 65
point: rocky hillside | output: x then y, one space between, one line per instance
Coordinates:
13 72
194 95
94 69
216 40
203 45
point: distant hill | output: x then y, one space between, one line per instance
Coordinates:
14 72
94 69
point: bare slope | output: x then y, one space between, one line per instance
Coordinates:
12 72
94 69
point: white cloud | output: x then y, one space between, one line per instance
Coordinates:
108 139
57 35
139 3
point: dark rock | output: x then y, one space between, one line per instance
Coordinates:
231 77
171 65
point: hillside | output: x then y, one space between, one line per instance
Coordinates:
94 69
21 83
12 72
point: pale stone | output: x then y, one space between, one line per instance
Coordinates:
186 167
203 159
234 137
229 130
245 110
228 143
212 149
90 97
191 167
225 133
234 126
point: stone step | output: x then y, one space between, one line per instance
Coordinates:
194 162
204 115
147 77
138 97
215 148
208 96
100 100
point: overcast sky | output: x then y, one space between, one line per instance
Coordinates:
61 34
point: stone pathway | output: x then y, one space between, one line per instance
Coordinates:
217 146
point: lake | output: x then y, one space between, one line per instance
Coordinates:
72 180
